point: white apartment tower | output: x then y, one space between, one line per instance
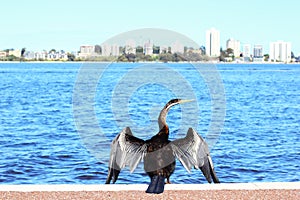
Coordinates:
110 50
213 43
247 50
235 45
130 47
280 51
177 47
148 48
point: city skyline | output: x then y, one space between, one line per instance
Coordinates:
280 51
67 25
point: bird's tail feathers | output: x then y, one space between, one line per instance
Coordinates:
157 185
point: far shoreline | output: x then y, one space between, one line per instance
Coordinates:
151 62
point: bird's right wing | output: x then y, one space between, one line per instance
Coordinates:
192 151
126 150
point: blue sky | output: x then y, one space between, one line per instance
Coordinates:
67 24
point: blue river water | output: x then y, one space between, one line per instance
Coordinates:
45 136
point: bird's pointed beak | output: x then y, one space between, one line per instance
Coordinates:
186 101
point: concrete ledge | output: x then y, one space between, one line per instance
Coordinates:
251 191
143 187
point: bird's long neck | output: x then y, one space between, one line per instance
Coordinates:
162 118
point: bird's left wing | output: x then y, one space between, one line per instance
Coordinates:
126 150
192 151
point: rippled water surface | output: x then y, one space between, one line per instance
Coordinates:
41 141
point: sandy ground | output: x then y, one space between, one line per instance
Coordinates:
208 194
220 191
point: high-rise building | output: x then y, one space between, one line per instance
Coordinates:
148 48
280 51
258 55
115 50
177 47
247 52
110 50
213 43
235 45
130 47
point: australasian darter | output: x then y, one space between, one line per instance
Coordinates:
159 153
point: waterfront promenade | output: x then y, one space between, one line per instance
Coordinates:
279 190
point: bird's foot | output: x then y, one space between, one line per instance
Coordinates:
168 181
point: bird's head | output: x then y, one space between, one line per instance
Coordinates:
174 102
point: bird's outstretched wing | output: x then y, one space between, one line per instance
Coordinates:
126 150
192 151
